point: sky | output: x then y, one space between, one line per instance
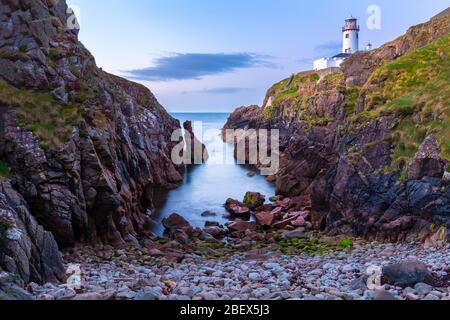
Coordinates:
216 55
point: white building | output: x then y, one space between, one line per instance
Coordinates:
350 45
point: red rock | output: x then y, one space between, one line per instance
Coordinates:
265 218
236 210
277 211
283 203
282 224
299 222
241 226
265 208
236 207
175 222
301 203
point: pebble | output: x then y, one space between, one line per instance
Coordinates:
330 276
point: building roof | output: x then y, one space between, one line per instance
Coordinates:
342 55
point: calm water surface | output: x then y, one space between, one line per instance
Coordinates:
206 187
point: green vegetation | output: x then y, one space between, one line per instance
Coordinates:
212 245
23 48
249 199
51 121
55 54
19 55
298 90
290 91
297 246
416 89
346 244
5 224
4 170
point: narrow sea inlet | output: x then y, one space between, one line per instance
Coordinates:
206 187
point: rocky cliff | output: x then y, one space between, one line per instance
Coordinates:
81 150
370 142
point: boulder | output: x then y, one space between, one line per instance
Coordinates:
216 232
212 224
299 222
209 214
254 200
242 226
427 162
175 222
236 208
406 274
296 234
265 219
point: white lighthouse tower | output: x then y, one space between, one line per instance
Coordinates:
350 33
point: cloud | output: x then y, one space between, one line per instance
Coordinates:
220 90
226 90
185 66
328 49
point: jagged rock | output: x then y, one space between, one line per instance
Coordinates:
26 249
427 162
341 165
93 179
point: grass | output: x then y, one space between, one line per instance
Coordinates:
4 170
19 55
51 121
55 54
416 89
297 91
346 244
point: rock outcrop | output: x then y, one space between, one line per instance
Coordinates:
368 143
85 149
25 248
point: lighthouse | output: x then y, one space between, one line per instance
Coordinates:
350 33
350 45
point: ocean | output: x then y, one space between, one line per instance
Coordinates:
206 187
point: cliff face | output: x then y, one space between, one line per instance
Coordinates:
81 150
370 142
